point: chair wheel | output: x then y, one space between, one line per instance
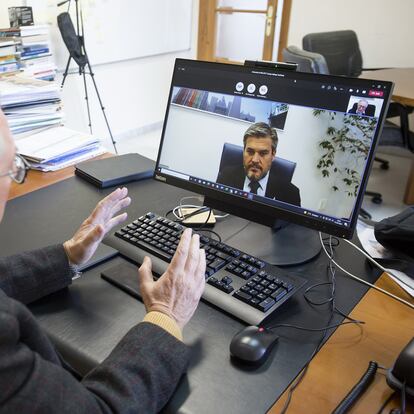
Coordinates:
377 199
385 166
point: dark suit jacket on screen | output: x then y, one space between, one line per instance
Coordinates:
139 375
234 176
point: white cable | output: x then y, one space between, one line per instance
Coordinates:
199 198
385 292
377 264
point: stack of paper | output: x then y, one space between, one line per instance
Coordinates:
30 104
58 147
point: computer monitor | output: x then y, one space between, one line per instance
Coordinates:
270 143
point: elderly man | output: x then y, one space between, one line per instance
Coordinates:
142 372
255 175
360 108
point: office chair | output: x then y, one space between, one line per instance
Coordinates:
233 155
392 134
340 50
306 61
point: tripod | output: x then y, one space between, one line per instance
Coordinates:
75 43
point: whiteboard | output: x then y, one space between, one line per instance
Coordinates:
117 30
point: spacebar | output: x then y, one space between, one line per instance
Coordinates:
153 250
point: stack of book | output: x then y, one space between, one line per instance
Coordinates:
30 104
9 56
59 147
33 54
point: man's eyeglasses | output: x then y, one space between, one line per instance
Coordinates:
19 170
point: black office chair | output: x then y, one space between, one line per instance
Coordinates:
392 134
306 61
233 155
340 50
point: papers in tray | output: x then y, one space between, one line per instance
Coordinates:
56 148
377 251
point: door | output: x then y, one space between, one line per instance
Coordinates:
234 30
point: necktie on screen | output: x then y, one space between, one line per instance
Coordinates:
254 186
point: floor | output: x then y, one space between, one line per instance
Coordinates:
390 183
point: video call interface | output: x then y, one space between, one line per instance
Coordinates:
277 138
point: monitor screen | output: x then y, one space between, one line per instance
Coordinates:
268 143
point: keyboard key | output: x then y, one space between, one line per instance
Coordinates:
217 264
227 280
279 294
254 301
209 271
265 305
212 281
245 297
245 275
223 256
260 264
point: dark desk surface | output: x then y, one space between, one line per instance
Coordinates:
90 317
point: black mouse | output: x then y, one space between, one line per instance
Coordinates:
253 344
403 370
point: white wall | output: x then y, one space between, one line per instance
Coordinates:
384 27
134 92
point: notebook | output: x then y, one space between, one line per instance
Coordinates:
117 170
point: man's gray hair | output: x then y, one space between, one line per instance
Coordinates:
261 130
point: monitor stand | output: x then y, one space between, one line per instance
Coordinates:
285 244
276 241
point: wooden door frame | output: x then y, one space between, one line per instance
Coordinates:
207 29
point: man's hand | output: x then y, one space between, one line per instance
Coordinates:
177 292
84 243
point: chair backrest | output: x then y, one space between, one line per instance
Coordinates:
340 49
306 61
233 155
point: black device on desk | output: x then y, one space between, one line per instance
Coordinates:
312 172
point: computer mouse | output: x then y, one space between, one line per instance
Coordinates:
252 345
403 370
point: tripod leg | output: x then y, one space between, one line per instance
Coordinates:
100 102
66 72
85 86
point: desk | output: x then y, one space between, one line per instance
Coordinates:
334 370
404 94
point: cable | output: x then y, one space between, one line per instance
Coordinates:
300 377
304 328
386 402
376 263
385 292
357 390
403 399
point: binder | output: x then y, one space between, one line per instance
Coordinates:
116 170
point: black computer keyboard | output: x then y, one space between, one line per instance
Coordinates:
238 283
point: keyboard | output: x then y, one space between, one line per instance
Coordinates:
242 285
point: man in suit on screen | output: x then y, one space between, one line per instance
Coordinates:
255 174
